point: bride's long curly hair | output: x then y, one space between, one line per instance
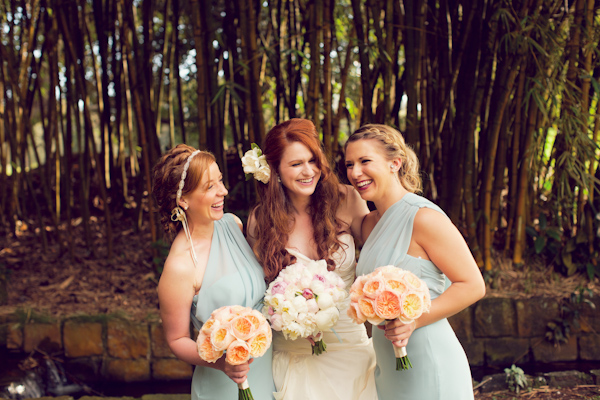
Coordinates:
274 210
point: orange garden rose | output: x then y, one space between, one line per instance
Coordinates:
373 287
366 307
209 325
413 282
221 338
355 314
356 290
387 305
255 317
259 344
206 350
412 306
237 353
395 285
242 327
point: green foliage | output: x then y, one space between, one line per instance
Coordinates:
515 378
569 255
558 331
162 251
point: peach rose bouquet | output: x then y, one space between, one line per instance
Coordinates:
304 301
238 332
389 293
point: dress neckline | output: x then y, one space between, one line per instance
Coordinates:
295 252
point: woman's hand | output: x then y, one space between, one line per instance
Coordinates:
397 332
237 373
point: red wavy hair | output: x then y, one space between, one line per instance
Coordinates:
274 211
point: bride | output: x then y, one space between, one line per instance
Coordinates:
305 214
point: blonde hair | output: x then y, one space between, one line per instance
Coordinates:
394 147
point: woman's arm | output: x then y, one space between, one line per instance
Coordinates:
447 249
250 229
353 211
175 294
436 238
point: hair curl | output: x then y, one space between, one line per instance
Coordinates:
166 177
274 208
394 147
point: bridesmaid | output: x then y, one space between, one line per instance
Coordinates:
209 265
412 233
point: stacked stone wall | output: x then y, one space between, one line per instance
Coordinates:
494 332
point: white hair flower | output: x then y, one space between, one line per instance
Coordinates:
255 163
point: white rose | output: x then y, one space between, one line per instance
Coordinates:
250 161
325 301
339 295
293 331
263 174
288 307
299 304
327 318
312 306
308 322
288 318
317 287
276 322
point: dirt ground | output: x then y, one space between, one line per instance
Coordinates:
546 393
74 280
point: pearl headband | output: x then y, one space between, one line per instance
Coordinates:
184 174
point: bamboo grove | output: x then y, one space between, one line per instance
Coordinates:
498 98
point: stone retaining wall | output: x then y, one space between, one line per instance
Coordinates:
494 332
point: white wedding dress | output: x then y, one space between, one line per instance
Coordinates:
345 371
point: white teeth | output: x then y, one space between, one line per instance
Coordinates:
305 180
217 205
363 183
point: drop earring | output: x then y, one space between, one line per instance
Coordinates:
278 179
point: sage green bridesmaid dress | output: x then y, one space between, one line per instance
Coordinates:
233 276
440 367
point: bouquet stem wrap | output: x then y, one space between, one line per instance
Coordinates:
244 392
402 361
319 347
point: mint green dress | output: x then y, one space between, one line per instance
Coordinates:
233 276
440 367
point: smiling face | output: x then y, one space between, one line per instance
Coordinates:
205 203
298 170
369 171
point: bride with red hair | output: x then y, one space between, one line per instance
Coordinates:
304 213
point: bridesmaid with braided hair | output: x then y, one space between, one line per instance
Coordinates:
209 265
410 232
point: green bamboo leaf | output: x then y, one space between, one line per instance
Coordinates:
543 221
219 93
568 262
591 271
554 234
540 243
531 231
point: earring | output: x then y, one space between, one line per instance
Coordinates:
185 208
278 179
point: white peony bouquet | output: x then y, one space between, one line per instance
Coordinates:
304 301
255 163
